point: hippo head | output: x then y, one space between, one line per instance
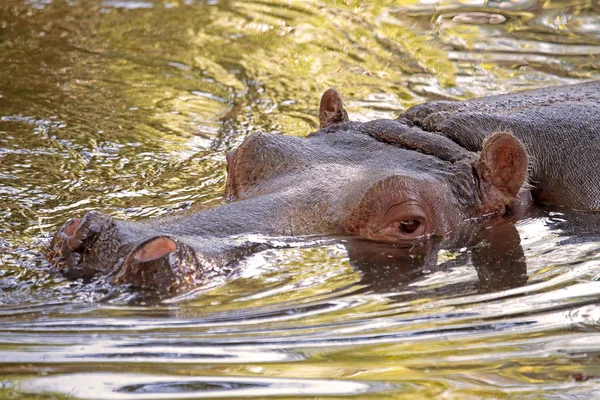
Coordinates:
382 180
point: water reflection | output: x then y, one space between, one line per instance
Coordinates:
494 251
128 106
129 386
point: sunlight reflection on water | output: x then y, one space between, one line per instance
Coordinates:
129 106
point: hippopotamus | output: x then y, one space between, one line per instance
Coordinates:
432 175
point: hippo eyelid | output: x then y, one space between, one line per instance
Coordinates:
415 212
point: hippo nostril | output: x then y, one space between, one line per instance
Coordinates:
71 226
74 236
154 249
161 263
77 236
81 233
73 243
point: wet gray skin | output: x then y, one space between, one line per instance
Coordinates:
425 181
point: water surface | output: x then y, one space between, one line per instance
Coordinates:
128 107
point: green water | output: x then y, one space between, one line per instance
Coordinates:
129 106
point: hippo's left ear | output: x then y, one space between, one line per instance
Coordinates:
331 110
502 170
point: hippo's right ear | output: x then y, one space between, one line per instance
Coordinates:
331 110
502 170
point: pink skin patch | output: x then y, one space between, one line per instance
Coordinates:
72 242
70 229
154 249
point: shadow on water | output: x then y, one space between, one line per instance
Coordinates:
128 107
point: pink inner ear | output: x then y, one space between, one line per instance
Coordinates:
154 249
331 101
506 160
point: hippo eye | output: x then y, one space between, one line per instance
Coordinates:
409 226
403 221
404 228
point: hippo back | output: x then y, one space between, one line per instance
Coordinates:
560 127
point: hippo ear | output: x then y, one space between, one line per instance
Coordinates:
502 170
331 110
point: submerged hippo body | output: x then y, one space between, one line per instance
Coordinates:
424 178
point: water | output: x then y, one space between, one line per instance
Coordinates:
128 107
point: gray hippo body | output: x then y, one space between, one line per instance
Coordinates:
428 178
559 126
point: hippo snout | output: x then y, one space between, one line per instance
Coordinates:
139 256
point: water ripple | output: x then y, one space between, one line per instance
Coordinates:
131 386
129 107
